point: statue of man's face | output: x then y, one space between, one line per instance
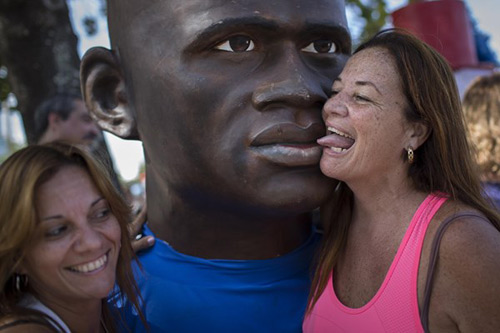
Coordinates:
228 95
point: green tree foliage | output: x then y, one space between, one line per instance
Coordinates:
373 13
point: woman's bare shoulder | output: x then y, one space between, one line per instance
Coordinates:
470 239
468 271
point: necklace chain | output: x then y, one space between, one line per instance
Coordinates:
104 326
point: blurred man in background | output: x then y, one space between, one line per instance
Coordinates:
64 117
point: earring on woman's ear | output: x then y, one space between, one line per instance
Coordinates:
411 156
21 282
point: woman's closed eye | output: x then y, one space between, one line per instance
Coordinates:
333 93
362 98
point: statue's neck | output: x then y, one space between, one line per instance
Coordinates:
219 232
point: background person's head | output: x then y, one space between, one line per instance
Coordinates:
24 178
225 96
481 105
64 117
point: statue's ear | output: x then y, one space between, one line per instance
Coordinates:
104 93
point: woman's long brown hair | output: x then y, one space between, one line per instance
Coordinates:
443 163
20 177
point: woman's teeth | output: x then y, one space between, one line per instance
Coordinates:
336 131
91 266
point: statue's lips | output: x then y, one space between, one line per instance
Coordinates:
289 144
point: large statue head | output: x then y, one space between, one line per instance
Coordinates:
226 96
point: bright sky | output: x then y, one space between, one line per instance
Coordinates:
128 154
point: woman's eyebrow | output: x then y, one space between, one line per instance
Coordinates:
96 201
55 217
52 217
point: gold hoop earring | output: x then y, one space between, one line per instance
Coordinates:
411 155
21 282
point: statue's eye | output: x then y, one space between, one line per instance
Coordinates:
238 43
321 46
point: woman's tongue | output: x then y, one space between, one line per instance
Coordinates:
335 140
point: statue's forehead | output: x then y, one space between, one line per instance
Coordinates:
190 17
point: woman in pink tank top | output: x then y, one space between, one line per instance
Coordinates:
389 262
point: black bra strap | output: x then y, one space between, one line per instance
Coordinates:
433 260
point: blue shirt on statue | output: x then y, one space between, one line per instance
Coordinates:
189 294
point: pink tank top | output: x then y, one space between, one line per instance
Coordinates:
394 308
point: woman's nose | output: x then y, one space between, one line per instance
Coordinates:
88 239
335 106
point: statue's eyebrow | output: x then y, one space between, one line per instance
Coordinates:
232 24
